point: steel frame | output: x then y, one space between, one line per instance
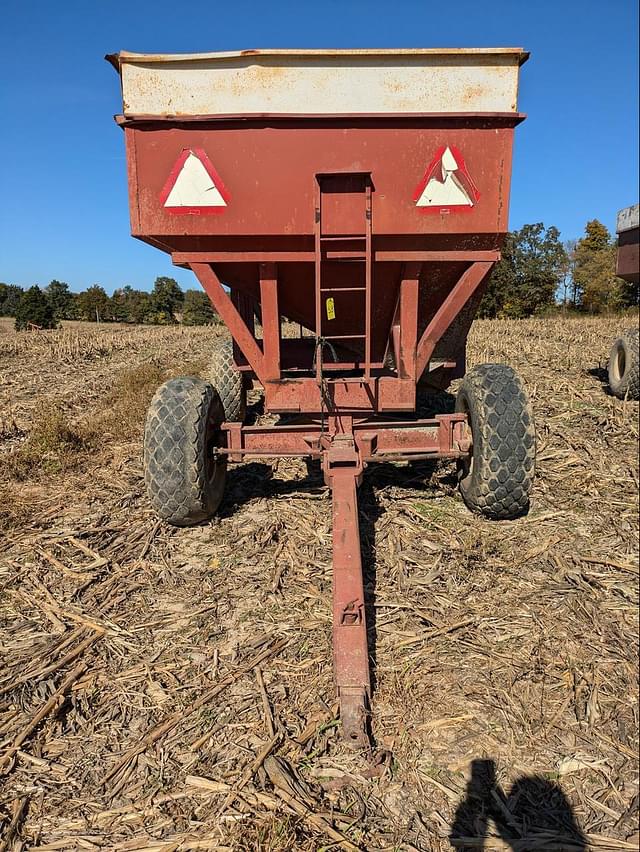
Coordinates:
376 391
375 440
339 418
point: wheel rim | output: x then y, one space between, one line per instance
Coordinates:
619 363
465 464
215 462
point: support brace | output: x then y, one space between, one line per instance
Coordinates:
231 317
469 282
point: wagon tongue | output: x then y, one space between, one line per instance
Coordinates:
343 469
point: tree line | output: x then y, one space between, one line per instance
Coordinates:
537 274
164 305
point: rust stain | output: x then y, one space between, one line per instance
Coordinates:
473 93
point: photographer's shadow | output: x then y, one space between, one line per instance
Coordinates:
535 814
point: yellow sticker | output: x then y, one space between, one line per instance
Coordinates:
331 309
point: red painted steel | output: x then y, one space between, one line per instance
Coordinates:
455 301
185 258
266 167
375 439
270 215
232 318
628 256
324 208
270 321
406 328
350 648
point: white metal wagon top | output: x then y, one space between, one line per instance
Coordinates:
628 218
321 82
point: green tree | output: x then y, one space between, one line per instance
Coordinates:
167 299
34 308
540 261
629 293
502 283
93 304
596 238
9 305
525 280
129 305
197 309
118 306
594 274
61 299
138 305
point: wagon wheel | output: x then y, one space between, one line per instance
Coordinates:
184 475
624 373
228 381
497 478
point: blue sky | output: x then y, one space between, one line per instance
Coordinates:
62 169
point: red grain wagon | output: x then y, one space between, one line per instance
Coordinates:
362 194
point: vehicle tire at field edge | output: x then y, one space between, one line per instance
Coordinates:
624 367
228 381
184 479
498 478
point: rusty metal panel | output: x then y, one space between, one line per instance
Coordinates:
324 81
628 229
628 259
268 173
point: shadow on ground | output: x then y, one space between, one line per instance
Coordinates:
602 375
534 814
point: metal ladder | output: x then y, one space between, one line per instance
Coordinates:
334 239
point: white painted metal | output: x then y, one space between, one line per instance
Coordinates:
628 219
194 187
321 82
444 188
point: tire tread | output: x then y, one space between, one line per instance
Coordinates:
501 478
629 384
228 381
175 448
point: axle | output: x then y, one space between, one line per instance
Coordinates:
444 436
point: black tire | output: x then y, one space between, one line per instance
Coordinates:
624 378
228 381
184 478
497 479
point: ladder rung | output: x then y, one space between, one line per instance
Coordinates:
343 336
344 255
347 365
334 238
342 289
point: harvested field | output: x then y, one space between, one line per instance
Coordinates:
171 689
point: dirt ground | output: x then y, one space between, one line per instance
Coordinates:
171 689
